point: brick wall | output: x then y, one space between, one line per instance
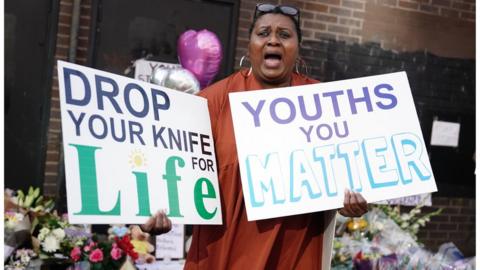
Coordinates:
62 53
343 39
455 224
442 27
434 42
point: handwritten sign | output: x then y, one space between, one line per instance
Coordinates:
445 133
300 147
132 148
171 244
144 68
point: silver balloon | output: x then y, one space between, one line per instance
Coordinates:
176 78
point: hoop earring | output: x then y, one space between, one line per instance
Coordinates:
245 58
303 64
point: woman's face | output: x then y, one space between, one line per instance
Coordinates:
273 49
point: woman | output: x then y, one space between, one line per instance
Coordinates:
292 242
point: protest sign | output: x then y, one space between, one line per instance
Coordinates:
132 148
144 68
171 245
300 147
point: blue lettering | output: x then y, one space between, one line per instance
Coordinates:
353 101
255 112
110 95
67 72
77 122
102 133
408 151
301 175
263 177
377 158
273 111
128 88
392 98
159 106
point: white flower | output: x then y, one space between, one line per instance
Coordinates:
405 217
51 244
43 232
79 242
59 233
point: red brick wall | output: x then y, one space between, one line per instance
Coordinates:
444 27
351 21
62 53
455 224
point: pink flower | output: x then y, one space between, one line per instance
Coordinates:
116 252
96 255
75 254
90 246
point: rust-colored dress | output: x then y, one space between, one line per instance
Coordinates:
293 242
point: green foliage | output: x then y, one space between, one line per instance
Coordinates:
410 222
33 201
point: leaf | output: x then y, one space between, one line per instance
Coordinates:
36 192
39 200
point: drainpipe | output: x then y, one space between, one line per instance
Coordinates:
74 31
72 54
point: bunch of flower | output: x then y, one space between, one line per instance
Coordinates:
12 219
410 222
379 241
49 237
104 254
20 259
30 202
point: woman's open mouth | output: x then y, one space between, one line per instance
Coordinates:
272 60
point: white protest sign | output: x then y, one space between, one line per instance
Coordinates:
445 133
300 147
414 200
171 244
132 148
144 68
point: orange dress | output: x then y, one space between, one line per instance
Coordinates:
293 242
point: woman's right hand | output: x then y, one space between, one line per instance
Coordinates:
157 224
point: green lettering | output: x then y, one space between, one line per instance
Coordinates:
199 195
171 177
143 197
88 183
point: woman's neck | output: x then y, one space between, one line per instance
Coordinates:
274 84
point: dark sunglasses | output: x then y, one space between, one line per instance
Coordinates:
290 11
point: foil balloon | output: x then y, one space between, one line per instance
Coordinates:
176 78
201 53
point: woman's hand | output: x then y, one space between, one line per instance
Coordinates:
354 205
157 224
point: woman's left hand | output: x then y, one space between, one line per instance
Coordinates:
354 205
157 224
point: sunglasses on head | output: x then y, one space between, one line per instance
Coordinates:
290 11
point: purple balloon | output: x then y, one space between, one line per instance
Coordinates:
200 53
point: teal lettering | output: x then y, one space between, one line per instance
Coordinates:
143 197
408 152
266 176
301 175
171 177
88 183
199 196
377 159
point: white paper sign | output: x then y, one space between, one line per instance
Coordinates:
414 200
132 148
445 133
171 244
300 147
144 68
